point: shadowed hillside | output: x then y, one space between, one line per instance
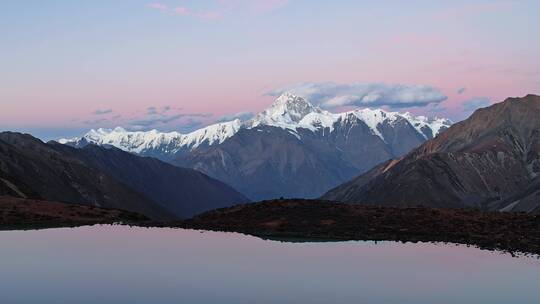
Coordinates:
490 161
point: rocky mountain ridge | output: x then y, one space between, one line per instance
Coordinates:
490 161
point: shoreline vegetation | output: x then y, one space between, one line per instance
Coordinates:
27 214
323 220
297 220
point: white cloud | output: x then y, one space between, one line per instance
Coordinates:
331 94
162 116
96 121
102 111
243 116
474 103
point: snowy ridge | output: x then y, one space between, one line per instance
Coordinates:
168 142
288 112
373 117
436 124
216 133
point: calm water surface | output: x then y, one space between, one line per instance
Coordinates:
117 264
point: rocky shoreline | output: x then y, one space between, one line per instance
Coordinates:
316 220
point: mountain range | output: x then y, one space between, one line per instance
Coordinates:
291 149
106 177
489 161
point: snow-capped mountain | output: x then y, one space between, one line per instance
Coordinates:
293 112
289 112
291 149
155 143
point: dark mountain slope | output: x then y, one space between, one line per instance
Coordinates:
184 192
268 162
107 178
482 162
30 168
525 201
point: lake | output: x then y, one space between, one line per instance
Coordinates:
120 264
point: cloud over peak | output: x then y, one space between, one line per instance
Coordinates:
162 116
243 116
470 105
331 94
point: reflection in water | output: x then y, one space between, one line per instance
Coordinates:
139 265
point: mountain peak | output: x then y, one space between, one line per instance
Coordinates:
287 109
292 104
289 98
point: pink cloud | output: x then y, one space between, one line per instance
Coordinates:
158 6
180 10
201 15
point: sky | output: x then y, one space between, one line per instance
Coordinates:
68 66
